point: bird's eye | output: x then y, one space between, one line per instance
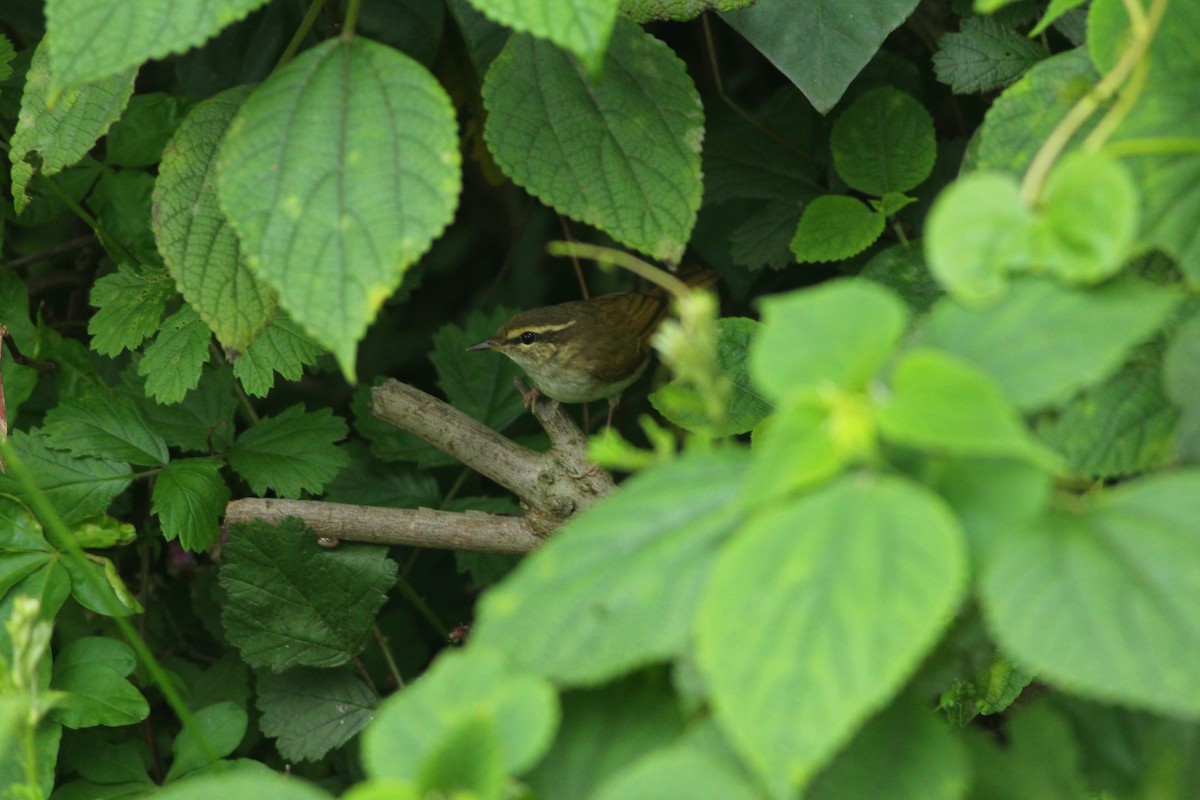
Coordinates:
528 337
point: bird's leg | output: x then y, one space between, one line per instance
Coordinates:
612 406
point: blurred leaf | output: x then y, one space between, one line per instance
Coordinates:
1040 759
138 137
467 761
93 671
223 726
279 616
643 11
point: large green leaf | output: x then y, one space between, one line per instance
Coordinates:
372 177
280 616
820 46
54 132
98 422
700 767
193 236
621 152
78 486
291 452
93 39
805 631
883 143
93 670
613 611
311 711
1106 601
1091 331
582 28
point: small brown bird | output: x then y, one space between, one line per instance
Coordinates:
586 350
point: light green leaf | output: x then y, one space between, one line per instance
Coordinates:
643 11
232 783
883 143
467 761
621 153
223 726
189 501
93 39
834 227
362 205
480 385
92 671
1121 577
412 724
1092 331
607 728
312 711
1055 10
854 615
581 28
744 408
820 47
903 753
979 231
281 348
102 531
60 130
279 616
940 402
801 445
1087 219
98 422
195 240
97 586
984 55
77 486
173 362
292 452
612 610
130 304
698 768
816 337
7 54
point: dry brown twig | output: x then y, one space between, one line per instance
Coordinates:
552 485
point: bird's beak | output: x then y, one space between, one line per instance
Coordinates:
486 344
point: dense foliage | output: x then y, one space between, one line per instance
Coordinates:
917 517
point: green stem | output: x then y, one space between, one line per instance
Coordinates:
1056 142
306 25
61 538
351 21
619 258
387 655
410 594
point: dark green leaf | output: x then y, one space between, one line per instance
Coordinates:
189 500
130 305
93 671
105 424
77 486
290 453
312 711
884 143
984 55
479 384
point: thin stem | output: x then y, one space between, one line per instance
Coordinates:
418 602
574 261
306 25
77 243
898 229
1060 137
607 255
89 220
387 656
351 21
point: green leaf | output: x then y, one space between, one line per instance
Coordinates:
744 408
854 614
1088 218
607 729
764 238
940 402
643 11
698 768
242 783
279 616
903 753
1120 576
363 205
223 726
411 725
984 55
99 761
130 305
1040 758
281 348
60 128
1055 10
803 444
467 761
92 671
621 153
368 482
884 143
481 386
581 28
835 227
121 200
290 453
902 269
312 711
93 39
103 531
202 422
1092 331
820 47
892 203
97 586
195 239
1021 119
173 362
7 54
77 486
613 611
978 232
98 422
814 337
138 137
189 501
